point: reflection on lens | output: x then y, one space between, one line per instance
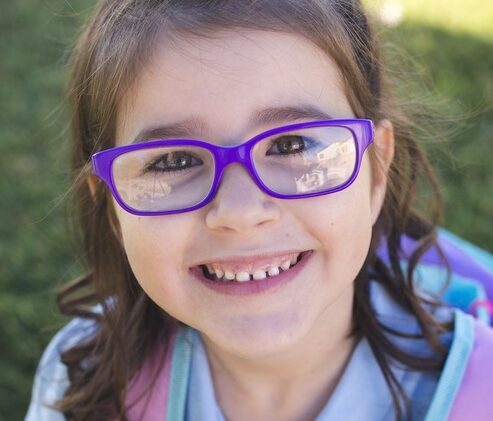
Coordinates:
324 158
163 178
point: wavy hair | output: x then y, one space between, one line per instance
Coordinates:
117 41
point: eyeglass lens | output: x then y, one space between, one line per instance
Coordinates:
170 178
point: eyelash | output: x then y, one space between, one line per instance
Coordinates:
308 143
152 166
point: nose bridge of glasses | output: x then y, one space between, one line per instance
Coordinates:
238 154
233 154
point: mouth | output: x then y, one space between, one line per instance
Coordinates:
217 272
247 277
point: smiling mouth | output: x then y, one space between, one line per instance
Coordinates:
257 275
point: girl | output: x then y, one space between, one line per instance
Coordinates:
236 166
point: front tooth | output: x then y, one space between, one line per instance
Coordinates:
242 276
229 275
219 273
259 275
274 271
286 265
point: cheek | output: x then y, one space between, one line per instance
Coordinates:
155 249
342 222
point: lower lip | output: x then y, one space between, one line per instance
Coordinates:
252 287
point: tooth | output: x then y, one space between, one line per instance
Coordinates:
242 276
219 273
274 271
229 275
286 265
294 259
259 274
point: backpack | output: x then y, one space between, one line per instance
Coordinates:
470 289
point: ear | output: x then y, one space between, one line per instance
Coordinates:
384 151
92 182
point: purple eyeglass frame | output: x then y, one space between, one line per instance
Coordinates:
102 162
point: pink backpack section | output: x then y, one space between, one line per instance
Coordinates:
474 399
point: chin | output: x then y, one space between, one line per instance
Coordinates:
257 336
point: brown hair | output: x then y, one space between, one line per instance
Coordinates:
106 60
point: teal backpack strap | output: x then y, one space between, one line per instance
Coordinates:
180 370
453 372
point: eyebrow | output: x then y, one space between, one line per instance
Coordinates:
267 116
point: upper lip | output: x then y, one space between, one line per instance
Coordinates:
248 258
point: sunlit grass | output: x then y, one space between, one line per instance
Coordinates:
474 17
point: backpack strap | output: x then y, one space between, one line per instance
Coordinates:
454 369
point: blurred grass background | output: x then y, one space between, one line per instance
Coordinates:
451 43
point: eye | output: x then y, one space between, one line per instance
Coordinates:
288 145
173 161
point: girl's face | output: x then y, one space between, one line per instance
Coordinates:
221 84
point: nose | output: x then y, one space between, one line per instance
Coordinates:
240 206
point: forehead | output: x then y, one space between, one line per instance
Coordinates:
217 85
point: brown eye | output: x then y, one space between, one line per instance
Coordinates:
174 161
287 145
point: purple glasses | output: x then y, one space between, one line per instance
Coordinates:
162 177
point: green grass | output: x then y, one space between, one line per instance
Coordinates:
35 252
450 44
460 77
451 40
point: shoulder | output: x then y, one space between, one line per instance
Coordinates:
51 378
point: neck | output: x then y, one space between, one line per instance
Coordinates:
293 385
